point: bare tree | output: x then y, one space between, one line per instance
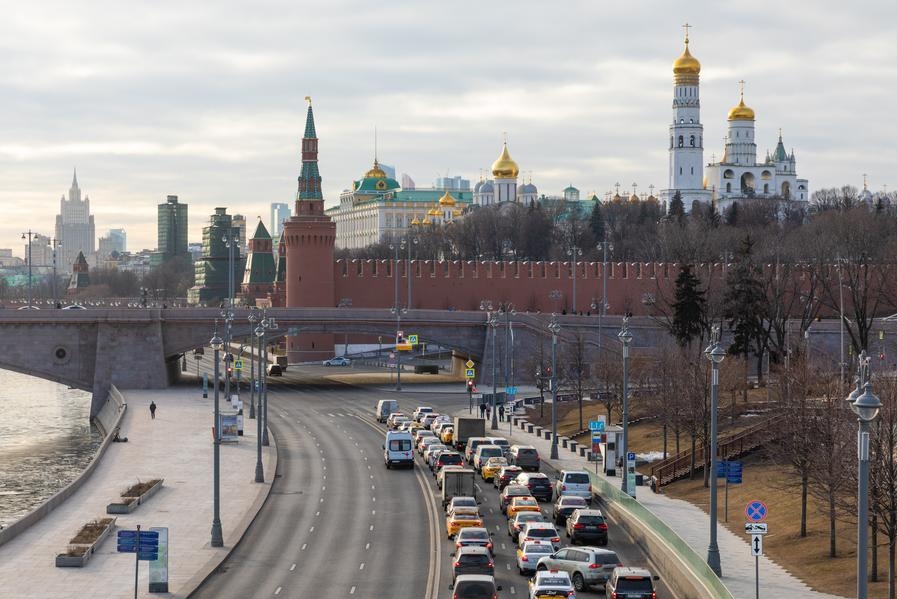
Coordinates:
883 473
576 368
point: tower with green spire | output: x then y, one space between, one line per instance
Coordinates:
259 275
309 177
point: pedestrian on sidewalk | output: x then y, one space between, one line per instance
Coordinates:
488 412
482 410
501 412
153 410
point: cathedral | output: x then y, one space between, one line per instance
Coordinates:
738 176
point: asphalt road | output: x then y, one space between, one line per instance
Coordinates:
339 524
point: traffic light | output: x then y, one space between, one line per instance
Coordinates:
470 385
548 372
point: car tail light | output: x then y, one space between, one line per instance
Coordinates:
653 595
489 546
594 567
529 485
523 558
563 487
579 526
458 545
490 565
457 564
612 595
556 539
571 593
602 527
590 488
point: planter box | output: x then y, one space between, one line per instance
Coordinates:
128 507
78 561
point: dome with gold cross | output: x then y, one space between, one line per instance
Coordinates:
741 112
447 199
505 167
686 68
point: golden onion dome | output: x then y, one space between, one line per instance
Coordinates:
447 199
376 172
686 68
426 221
415 221
652 199
433 212
741 112
505 167
633 198
617 198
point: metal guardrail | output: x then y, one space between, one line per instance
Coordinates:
680 465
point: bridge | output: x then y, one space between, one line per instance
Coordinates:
141 348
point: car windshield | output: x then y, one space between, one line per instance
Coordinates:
452 458
526 452
525 501
577 478
539 481
400 445
530 549
573 502
466 517
591 520
554 581
529 517
515 490
464 502
490 452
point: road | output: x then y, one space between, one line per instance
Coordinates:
337 523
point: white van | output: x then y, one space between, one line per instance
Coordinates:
385 407
398 449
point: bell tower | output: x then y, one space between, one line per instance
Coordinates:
309 237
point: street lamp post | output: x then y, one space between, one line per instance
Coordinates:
602 312
253 319
554 327
574 253
397 310
228 315
866 406
414 241
54 243
217 538
625 338
258 331
29 233
267 323
492 321
715 354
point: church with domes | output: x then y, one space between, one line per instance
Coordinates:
503 185
738 175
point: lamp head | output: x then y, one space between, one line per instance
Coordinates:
259 331
867 405
625 336
216 343
717 354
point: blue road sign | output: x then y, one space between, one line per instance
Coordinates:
733 473
756 511
148 556
726 468
147 539
596 425
511 390
630 456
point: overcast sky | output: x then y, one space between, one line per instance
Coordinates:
205 100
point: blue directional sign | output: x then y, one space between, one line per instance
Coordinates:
733 473
596 425
511 390
756 511
148 541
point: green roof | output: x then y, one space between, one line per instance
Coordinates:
261 232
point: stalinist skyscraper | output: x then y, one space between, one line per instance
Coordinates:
75 228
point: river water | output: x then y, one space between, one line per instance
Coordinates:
46 440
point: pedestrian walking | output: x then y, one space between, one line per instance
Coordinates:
501 412
488 412
482 410
153 410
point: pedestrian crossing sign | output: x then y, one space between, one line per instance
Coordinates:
470 373
238 365
412 339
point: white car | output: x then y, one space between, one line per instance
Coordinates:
529 555
574 482
338 361
540 531
551 580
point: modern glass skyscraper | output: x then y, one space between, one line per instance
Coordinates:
172 232
280 211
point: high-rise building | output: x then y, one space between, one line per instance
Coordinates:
239 222
115 242
280 211
75 228
172 230
212 277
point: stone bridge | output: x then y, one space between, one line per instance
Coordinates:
133 348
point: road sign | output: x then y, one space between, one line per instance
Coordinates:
755 528
238 365
756 511
470 373
403 346
730 470
412 339
511 390
596 425
469 364
148 541
757 545
630 473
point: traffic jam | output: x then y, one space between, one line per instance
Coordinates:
503 513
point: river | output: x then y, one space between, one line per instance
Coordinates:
46 440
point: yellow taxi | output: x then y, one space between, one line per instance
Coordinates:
459 519
522 504
492 466
447 435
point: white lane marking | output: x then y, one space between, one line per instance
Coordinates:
304 545
491 511
373 512
367 545
372 487
293 567
513 591
508 566
372 527
352 591
324 488
317 513
361 567
373 499
503 546
497 527
277 591
312 529
331 415
322 501
372 476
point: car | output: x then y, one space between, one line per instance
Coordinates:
471 449
438 425
385 407
529 554
588 526
491 467
447 434
587 566
421 411
525 456
472 560
510 492
475 586
564 506
483 453
426 443
632 583
395 419
501 442
505 476
74 307
551 580
447 458
460 501
275 370
397 449
516 524
419 435
456 521
431 449
440 474
573 482
539 484
474 537
522 504
428 419
540 531
338 361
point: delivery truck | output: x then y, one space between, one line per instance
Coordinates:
465 428
457 483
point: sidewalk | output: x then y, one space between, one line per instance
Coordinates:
693 526
176 446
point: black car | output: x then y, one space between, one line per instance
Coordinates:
539 485
509 493
587 526
472 560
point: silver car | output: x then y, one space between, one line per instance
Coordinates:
529 555
587 566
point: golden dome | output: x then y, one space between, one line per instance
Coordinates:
433 212
617 199
447 199
741 112
415 221
426 221
376 172
633 198
505 167
686 68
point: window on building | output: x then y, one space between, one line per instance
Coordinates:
680 170
692 170
728 187
691 141
681 141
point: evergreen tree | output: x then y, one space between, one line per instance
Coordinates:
677 208
744 305
596 221
689 308
732 215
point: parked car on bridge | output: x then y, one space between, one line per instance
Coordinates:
338 361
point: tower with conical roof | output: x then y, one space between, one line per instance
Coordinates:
686 132
309 237
258 277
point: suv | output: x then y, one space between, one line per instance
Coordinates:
524 456
471 449
587 566
474 537
475 586
544 582
540 531
564 506
632 583
505 476
472 560
587 525
501 442
537 483
483 453
419 412
574 482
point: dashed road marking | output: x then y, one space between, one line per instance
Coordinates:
361 567
367 545
352 591
304 545
373 512
312 529
293 567
503 546
372 527
317 513
513 591
277 590
331 415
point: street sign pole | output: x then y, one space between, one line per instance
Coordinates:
757 577
136 561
